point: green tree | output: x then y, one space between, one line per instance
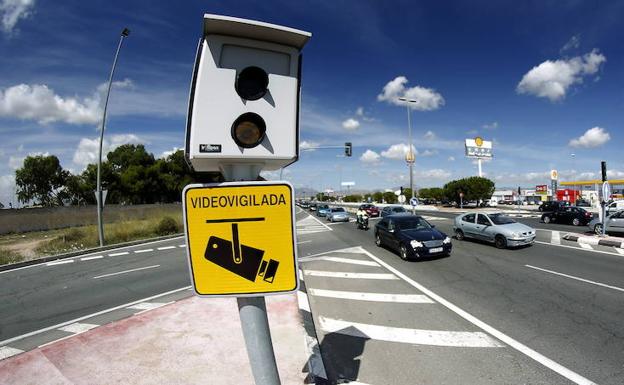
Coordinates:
389 197
474 188
353 198
378 196
41 179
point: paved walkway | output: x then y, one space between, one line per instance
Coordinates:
193 341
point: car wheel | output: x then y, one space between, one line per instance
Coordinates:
546 219
500 242
377 240
403 252
576 222
598 229
459 235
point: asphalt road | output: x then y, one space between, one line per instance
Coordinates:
547 314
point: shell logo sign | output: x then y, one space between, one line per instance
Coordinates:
554 175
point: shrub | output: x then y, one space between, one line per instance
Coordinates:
167 226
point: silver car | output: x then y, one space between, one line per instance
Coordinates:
337 214
493 227
614 223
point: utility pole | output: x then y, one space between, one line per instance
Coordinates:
410 156
98 191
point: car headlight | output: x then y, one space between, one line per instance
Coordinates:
416 244
447 240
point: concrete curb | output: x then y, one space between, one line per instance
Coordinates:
591 240
50 258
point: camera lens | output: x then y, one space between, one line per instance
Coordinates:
248 130
252 83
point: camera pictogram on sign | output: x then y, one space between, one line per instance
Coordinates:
243 260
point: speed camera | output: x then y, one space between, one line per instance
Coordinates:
244 97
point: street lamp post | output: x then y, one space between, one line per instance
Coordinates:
411 157
98 191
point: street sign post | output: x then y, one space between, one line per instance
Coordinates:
401 198
241 238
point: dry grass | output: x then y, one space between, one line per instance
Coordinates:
17 247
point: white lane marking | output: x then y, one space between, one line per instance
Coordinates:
118 254
619 250
77 327
578 248
304 304
126 271
90 258
62 262
576 278
409 336
547 362
143 251
181 245
147 305
586 246
555 238
166 248
316 220
300 242
350 261
92 253
376 297
8 341
338 274
7 351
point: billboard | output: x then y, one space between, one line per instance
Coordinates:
478 148
541 189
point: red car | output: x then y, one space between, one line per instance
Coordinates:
371 210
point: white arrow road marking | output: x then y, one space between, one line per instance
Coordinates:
125 271
377 297
409 336
7 351
77 327
337 274
576 278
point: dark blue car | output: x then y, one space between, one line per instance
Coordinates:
412 237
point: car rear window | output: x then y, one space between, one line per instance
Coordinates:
338 210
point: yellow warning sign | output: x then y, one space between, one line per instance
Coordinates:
241 238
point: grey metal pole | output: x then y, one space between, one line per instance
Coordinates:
413 156
255 325
253 315
98 190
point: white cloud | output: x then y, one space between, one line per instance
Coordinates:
451 158
307 145
573 43
397 151
359 111
7 189
274 174
39 103
429 153
427 98
594 137
369 156
87 151
429 135
436 173
14 10
167 153
16 162
350 124
552 79
490 126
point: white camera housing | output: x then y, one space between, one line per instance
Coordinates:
228 46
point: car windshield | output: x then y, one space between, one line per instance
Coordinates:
500 219
415 223
398 209
338 210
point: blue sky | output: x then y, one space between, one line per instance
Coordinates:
541 79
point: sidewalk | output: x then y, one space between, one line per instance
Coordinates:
192 341
592 239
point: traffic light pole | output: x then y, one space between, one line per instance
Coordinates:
253 314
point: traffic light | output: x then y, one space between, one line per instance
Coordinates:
244 96
348 149
603 166
401 193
